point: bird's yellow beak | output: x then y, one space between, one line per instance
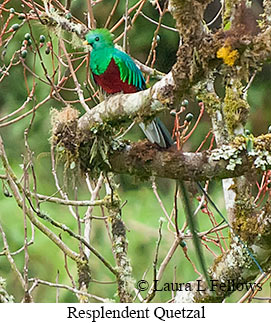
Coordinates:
85 42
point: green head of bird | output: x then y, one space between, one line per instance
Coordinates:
99 38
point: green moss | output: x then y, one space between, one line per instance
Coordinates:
227 12
112 202
238 141
212 102
94 156
245 225
112 122
208 299
83 272
216 262
235 107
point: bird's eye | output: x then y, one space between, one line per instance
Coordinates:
97 38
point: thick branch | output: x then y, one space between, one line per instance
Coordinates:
122 107
242 156
145 159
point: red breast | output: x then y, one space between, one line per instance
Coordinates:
111 82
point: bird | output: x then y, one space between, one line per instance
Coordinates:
115 72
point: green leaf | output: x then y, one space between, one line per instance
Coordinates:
249 145
93 151
227 26
103 149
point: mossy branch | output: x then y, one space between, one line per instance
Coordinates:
244 155
124 277
145 159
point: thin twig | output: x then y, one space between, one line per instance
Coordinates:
157 23
87 218
16 191
37 282
106 25
250 293
10 259
124 43
152 291
74 235
91 19
154 188
77 84
57 200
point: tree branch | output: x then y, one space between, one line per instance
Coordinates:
122 107
145 159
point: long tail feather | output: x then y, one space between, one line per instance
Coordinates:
192 223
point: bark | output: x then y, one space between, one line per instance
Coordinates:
144 159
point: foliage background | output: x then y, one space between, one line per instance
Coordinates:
142 212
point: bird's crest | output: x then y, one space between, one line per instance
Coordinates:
104 35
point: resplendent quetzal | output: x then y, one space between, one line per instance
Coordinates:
115 71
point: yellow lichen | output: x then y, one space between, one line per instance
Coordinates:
228 55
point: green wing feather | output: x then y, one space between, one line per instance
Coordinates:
128 69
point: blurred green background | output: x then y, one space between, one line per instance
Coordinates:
142 212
